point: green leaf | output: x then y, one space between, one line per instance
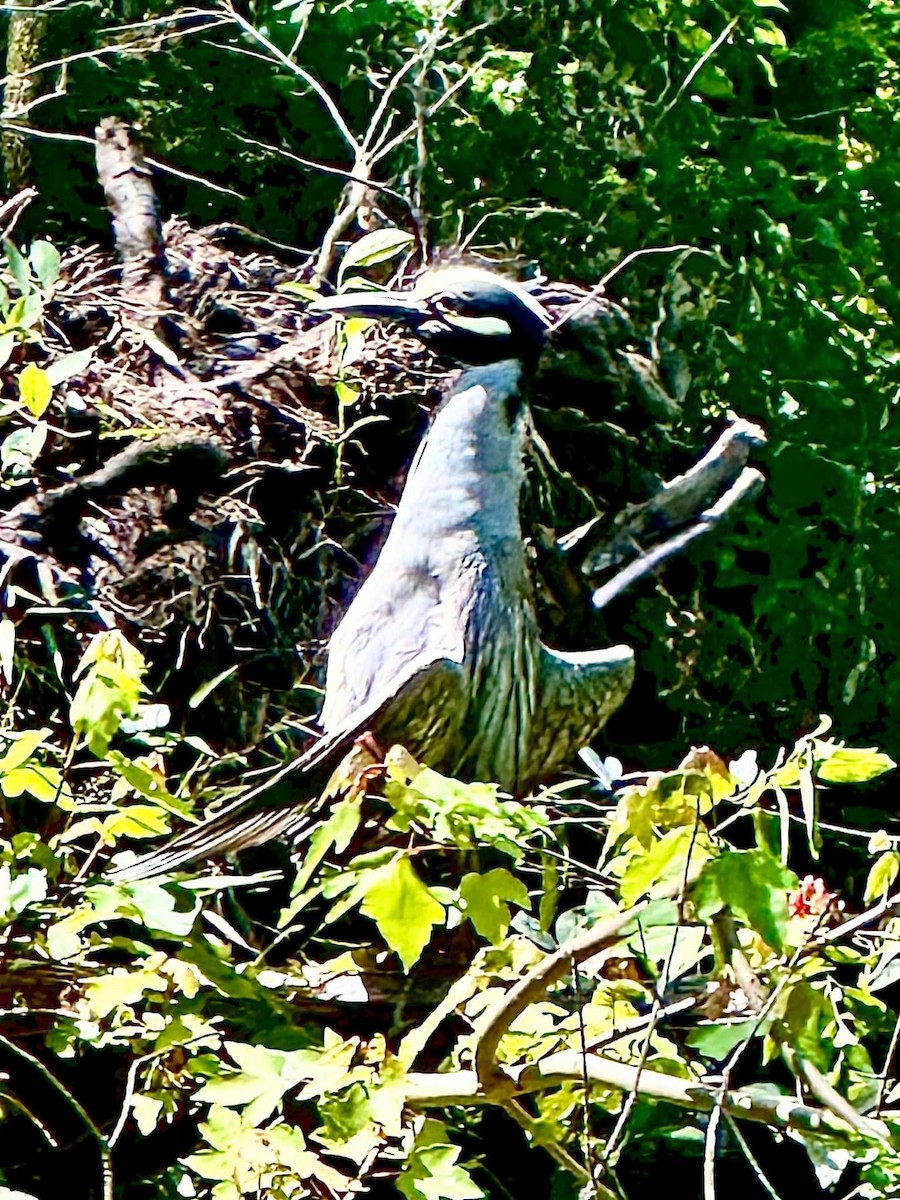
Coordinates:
135 821
675 858
377 247
45 260
483 898
35 389
111 671
881 877
210 686
841 764
20 449
346 394
26 311
67 366
717 1040
146 1111
21 747
402 907
769 34
804 1017
18 891
43 783
122 988
147 782
264 1076
753 886
337 831
18 266
432 1171
305 291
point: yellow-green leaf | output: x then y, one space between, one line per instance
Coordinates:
675 859
882 875
484 899
377 247
402 907
35 389
45 261
842 764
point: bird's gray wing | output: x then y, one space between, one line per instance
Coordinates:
577 694
433 690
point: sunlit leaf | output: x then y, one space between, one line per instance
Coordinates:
68 366
669 864
35 389
379 246
881 877
484 899
402 907
753 886
841 764
45 261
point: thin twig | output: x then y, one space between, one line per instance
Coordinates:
553 1147
310 80
140 46
655 1015
600 287
547 972
409 131
325 168
885 1070
49 135
700 64
748 1154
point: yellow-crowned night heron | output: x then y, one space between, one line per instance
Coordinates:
440 649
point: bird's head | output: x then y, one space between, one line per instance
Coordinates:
467 313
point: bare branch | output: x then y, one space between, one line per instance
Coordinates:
547 972
139 46
700 64
445 1089
288 63
325 168
599 288
749 484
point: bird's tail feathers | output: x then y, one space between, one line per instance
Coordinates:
224 834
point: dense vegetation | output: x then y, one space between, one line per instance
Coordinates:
729 171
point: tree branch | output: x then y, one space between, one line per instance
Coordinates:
547 972
683 505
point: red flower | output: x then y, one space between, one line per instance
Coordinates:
812 898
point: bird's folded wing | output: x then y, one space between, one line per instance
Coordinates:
432 692
577 694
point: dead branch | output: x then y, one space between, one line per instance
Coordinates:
547 972
686 503
51 521
131 198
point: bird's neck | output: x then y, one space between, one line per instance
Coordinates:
469 471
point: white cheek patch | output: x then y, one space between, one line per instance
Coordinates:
482 326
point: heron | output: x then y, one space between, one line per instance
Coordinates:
440 650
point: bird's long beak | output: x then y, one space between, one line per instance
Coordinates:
379 306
